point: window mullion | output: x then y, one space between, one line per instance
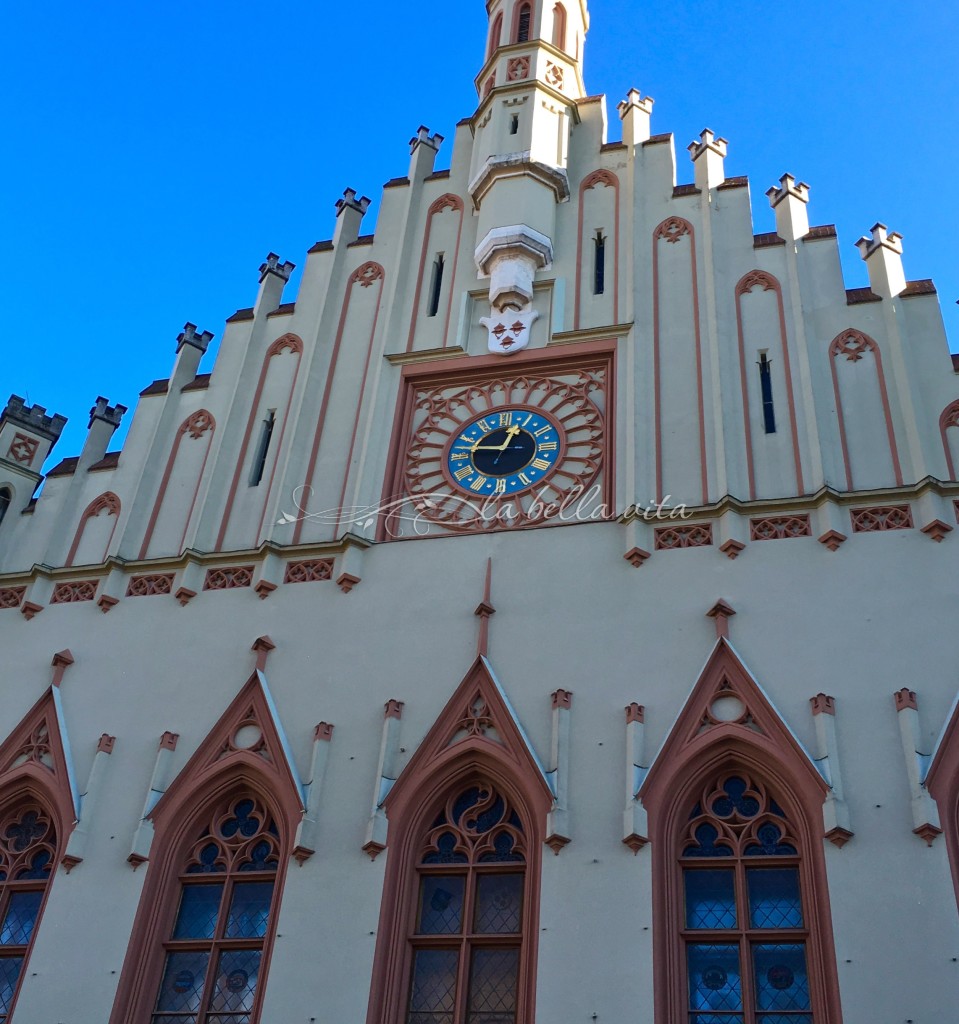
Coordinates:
466 949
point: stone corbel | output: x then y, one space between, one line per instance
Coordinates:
386 776
835 811
925 813
557 824
159 781
305 845
635 827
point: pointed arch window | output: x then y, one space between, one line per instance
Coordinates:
468 932
744 916
559 27
214 949
496 34
524 23
28 854
5 498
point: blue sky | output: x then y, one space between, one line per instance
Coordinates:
156 153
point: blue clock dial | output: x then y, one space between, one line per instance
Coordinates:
504 452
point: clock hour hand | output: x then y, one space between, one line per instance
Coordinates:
510 434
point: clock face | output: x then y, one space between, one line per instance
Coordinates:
505 452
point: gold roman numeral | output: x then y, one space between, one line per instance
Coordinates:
500 486
542 430
524 479
467 440
478 484
459 456
548 446
540 464
462 474
484 426
505 419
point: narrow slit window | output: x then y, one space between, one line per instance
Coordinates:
514 125
263 449
766 384
599 264
525 17
5 498
436 286
559 27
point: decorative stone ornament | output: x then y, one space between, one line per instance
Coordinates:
510 331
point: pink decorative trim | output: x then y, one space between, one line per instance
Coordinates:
694 753
833 539
839 836
936 530
230 578
23 449
365 277
485 611
556 843
108 503
636 557
779 527
955 505
105 746
148 586
324 732
29 609
263 589
636 842
287 343
169 740
823 705
853 345
722 613
62 660
517 11
316 570
672 230
496 36
906 700
672 537
11 597
74 592
184 595
446 202
760 279
393 709
347 581
517 68
949 419
106 603
927 832
608 180
635 713
879 519
941 782
563 699
198 425
262 646
732 549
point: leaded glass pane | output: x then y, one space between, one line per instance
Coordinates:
502 851
9 973
434 986
782 982
706 843
22 912
715 1018
228 1018
499 904
199 909
493 981
446 852
774 900
784 1018
249 910
441 904
235 985
710 899
39 867
183 979
715 981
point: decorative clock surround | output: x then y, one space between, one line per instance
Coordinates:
482 449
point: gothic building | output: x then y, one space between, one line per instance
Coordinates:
367 684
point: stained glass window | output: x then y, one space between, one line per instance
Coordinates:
744 927
468 933
27 854
211 969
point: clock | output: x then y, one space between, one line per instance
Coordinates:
505 452
480 448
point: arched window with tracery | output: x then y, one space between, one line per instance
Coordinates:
469 927
223 918
524 21
745 915
28 855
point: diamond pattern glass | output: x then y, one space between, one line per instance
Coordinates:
782 982
774 900
182 984
499 904
785 1018
9 973
235 986
441 904
710 899
715 1018
22 912
249 910
434 986
715 982
492 993
199 909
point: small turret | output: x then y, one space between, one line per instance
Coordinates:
883 255
790 201
350 212
273 278
104 421
191 346
424 149
709 156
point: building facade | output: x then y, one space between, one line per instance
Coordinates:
541 616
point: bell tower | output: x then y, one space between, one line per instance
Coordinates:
527 89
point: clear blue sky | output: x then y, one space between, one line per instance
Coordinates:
156 152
